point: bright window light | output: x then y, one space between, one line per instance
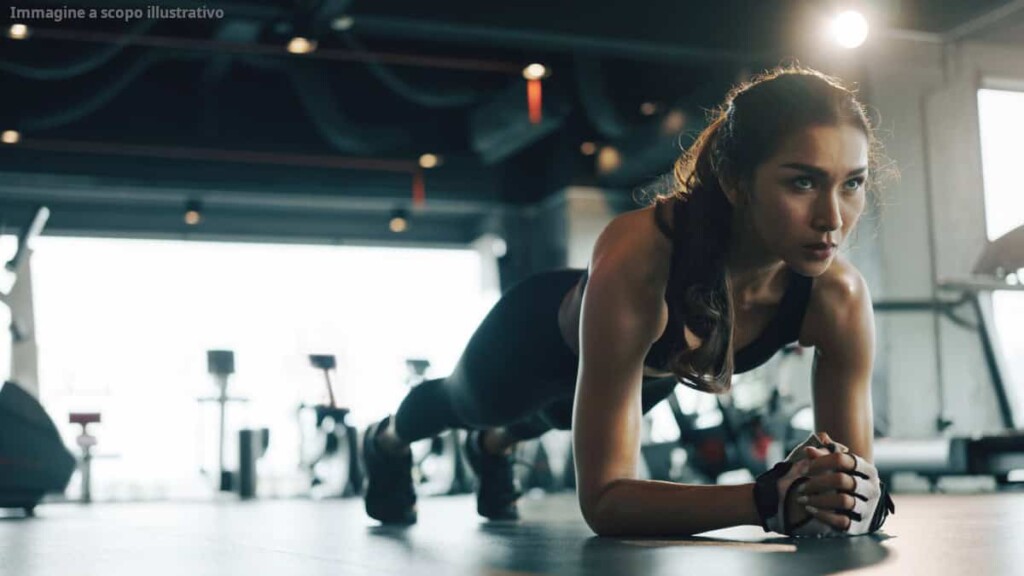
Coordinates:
123 327
1001 122
1001 114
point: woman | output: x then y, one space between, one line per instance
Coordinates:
710 280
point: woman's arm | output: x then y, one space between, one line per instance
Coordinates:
622 314
841 327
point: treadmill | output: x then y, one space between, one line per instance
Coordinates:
996 455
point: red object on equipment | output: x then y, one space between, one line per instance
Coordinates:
84 417
533 100
762 441
419 189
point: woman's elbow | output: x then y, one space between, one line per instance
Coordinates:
598 524
595 513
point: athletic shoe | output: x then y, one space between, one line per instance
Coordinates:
497 489
390 496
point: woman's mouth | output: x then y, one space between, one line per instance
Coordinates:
820 250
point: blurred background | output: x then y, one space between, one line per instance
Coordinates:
237 231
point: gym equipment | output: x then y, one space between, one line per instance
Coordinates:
221 364
16 294
33 460
252 445
996 455
85 441
335 469
750 438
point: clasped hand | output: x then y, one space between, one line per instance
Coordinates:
840 496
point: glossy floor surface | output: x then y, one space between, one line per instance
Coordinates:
930 534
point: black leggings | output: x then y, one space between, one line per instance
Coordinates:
516 371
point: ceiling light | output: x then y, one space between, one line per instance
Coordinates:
850 29
674 121
193 213
588 148
17 32
399 221
608 160
429 161
648 108
300 45
535 72
342 23
10 137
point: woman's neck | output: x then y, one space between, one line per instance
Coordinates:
754 273
756 286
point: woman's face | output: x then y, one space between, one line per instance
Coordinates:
808 196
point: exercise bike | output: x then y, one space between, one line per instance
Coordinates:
733 436
329 444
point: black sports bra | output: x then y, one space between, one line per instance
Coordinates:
783 329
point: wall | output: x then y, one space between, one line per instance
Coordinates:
559 231
933 228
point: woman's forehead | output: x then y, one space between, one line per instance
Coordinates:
839 148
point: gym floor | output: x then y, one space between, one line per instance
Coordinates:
930 534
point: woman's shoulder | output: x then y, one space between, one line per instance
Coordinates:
630 266
836 294
840 283
636 232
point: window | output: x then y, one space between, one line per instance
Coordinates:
123 327
1001 116
1002 122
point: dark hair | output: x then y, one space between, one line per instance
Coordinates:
742 133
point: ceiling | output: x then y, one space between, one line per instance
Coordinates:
123 122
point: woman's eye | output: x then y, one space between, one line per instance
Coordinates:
803 183
854 183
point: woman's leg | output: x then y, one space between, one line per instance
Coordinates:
514 364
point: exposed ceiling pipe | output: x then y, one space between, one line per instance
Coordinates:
597 103
422 29
70 113
420 96
81 66
646 151
320 102
201 45
501 126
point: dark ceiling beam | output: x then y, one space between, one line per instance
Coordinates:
634 49
250 225
981 23
208 46
86 190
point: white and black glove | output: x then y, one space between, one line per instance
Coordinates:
872 503
774 488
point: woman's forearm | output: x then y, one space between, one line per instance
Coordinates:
655 508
